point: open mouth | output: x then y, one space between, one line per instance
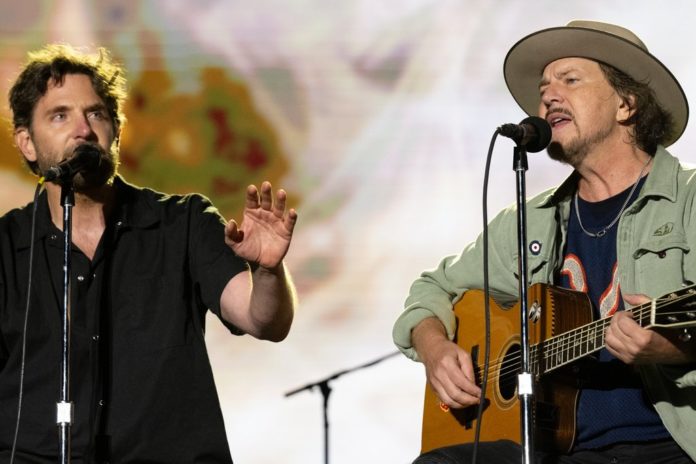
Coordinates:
557 120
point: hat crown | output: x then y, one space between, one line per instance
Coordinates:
612 29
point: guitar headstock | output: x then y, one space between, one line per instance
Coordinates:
675 309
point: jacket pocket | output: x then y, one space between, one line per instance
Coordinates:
538 258
660 263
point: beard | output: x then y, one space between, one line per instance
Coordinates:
102 173
575 151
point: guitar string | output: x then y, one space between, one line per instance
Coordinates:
558 344
552 344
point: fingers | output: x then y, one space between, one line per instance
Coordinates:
252 197
458 392
290 221
279 207
625 338
453 380
233 233
264 199
267 196
636 299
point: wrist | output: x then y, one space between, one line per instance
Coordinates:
259 270
427 335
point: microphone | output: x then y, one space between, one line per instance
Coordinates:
532 133
86 157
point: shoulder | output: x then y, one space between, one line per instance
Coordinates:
143 201
17 220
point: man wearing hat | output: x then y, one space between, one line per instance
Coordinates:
621 228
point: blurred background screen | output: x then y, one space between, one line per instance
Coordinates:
375 116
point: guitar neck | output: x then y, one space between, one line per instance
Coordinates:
570 346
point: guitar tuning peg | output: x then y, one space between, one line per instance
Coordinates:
685 336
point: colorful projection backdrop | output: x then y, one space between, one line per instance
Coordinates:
375 116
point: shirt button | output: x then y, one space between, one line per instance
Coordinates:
81 278
101 402
95 337
662 254
53 236
119 223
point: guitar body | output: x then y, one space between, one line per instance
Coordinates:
552 311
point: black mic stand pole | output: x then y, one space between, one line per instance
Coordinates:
64 408
525 381
325 390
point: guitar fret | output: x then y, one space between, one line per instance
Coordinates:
570 346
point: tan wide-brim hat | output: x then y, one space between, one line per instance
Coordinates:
610 44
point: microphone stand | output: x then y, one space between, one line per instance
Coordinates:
64 408
325 390
525 384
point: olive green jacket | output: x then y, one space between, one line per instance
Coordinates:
655 238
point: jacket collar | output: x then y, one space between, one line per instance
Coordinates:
661 182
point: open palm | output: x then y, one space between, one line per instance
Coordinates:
264 235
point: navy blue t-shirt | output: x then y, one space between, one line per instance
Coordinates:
606 413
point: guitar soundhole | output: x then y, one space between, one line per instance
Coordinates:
507 379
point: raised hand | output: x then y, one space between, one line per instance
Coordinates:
264 235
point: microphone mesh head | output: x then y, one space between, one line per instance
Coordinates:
543 133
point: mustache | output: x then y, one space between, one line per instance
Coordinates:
558 109
94 147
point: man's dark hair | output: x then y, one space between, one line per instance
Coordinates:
53 63
653 125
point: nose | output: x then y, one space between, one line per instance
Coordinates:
83 128
550 95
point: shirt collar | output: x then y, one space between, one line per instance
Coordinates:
132 210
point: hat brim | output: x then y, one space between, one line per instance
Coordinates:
526 60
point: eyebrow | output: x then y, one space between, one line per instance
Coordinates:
57 109
96 106
544 81
65 108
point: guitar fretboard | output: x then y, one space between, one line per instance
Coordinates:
570 346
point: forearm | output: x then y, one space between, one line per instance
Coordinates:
426 334
272 303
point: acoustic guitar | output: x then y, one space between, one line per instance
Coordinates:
561 332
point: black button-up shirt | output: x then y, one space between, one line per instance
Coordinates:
140 376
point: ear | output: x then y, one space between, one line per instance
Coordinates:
626 109
25 144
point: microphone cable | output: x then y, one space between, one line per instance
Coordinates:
486 298
20 396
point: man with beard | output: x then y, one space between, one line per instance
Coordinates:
622 229
146 267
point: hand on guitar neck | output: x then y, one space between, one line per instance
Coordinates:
448 368
633 344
